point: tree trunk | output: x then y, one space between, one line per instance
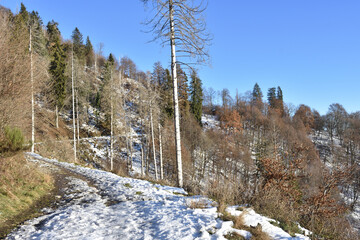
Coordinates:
131 151
142 161
176 102
153 144
32 99
160 152
73 100
77 117
56 116
111 125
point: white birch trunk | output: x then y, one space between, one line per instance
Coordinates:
77 117
111 124
32 99
160 152
142 161
153 145
176 102
73 100
131 150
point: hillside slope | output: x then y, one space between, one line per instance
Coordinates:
102 205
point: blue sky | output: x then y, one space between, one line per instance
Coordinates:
310 48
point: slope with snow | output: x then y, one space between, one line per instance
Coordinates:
106 206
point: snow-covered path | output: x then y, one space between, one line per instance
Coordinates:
102 205
119 208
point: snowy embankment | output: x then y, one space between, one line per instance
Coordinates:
114 207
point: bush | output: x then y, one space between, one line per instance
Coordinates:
13 140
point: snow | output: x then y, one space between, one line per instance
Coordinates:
102 205
210 121
251 218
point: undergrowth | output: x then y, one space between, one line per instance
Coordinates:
21 186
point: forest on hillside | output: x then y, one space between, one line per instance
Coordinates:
289 163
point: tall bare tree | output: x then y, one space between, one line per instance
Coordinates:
32 96
73 99
182 23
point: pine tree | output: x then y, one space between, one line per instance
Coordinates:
53 34
158 76
24 14
279 100
38 37
183 91
77 38
167 97
272 97
57 71
89 53
256 94
196 97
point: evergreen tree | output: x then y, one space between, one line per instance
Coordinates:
279 100
89 53
256 94
38 38
78 45
24 14
57 71
167 89
57 67
183 90
279 94
102 98
196 97
272 97
53 34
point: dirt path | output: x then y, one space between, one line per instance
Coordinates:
57 197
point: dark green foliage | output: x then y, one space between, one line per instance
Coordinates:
275 99
279 100
24 14
158 76
167 96
107 71
57 65
183 90
53 35
102 98
161 79
279 94
89 53
196 97
38 39
78 45
272 97
257 94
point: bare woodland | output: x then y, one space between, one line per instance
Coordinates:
293 166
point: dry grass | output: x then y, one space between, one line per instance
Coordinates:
197 203
239 223
21 186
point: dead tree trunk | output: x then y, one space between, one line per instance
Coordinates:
153 145
160 153
176 101
73 101
32 98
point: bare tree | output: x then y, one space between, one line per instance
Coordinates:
32 97
180 22
160 154
73 99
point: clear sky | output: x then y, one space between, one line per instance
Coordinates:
310 48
